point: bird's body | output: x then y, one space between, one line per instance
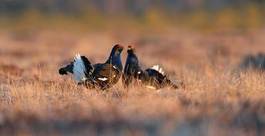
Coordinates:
101 75
105 75
153 78
132 69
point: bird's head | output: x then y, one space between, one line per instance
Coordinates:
115 56
67 69
117 48
130 49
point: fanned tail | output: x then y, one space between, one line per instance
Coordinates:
79 69
159 69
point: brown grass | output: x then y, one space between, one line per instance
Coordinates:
218 99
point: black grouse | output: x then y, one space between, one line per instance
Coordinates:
254 62
153 78
101 75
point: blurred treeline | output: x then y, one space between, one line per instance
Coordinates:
199 14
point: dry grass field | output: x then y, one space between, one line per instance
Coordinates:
218 98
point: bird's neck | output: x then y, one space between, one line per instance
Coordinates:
132 64
115 59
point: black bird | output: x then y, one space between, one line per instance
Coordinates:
153 78
254 62
100 75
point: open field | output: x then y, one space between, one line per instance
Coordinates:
218 98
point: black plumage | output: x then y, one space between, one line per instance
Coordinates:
154 77
132 69
254 62
100 75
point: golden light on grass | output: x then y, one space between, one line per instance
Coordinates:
34 99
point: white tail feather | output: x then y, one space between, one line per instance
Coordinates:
158 69
79 69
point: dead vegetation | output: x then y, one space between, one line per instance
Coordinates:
218 98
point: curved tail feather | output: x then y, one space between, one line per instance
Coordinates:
79 69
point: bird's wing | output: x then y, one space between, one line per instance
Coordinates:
106 73
156 74
79 69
